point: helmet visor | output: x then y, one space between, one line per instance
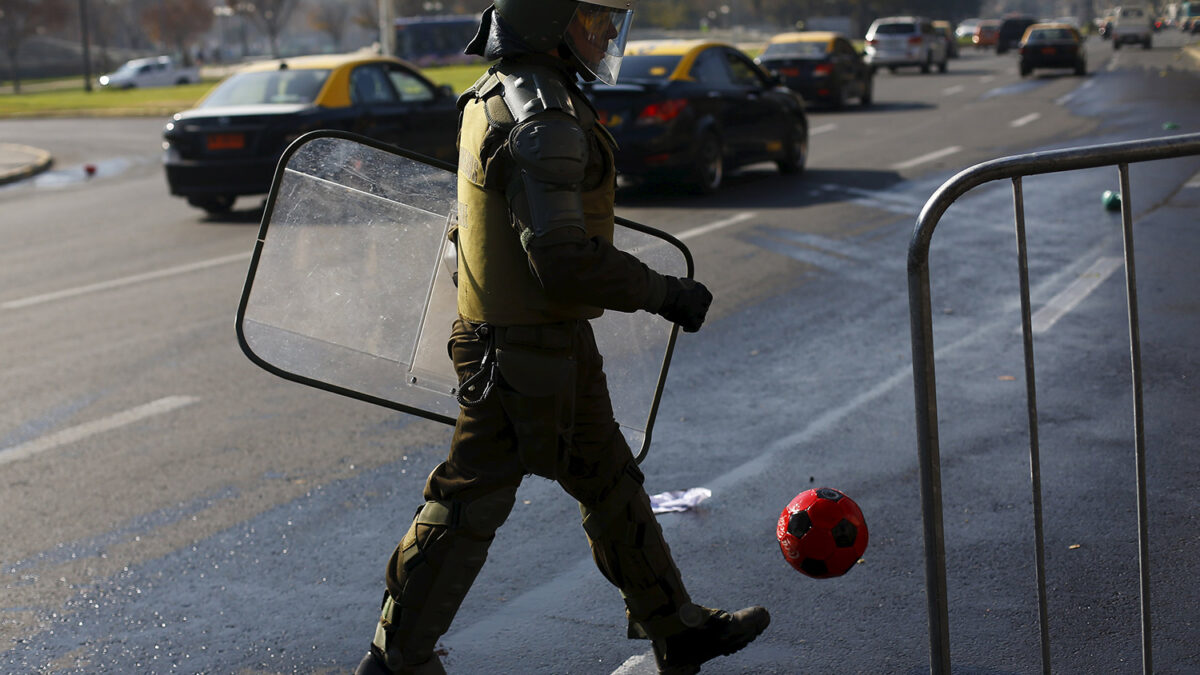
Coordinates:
596 36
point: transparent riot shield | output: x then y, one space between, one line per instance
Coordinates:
350 287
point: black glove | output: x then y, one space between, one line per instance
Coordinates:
686 303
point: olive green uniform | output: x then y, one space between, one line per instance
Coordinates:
525 294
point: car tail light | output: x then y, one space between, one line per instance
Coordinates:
823 70
872 42
661 111
914 40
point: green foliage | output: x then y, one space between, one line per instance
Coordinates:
663 14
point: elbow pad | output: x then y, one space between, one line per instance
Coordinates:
551 158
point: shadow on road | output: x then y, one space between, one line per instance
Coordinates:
760 186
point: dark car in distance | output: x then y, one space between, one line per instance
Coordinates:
821 66
1011 30
688 110
228 145
1052 45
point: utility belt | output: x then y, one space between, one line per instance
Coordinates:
531 370
533 360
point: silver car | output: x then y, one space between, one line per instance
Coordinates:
897 41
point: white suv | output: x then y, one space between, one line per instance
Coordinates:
897 41
1132 24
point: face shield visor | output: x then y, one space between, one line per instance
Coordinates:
596 36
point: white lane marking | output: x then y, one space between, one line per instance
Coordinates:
1071 94
705 229
631 664
950 91
987 78
885 200
1022 121
1070 297
929 157
824 128
82 431
1194 182
884 195
123 281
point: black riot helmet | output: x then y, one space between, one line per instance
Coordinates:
595 31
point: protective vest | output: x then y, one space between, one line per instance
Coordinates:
495 284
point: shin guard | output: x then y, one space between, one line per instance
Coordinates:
431 571
628 547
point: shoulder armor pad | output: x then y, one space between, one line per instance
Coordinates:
550 151
529 90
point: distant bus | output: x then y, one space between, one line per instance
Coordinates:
435 40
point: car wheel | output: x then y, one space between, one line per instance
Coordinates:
710 164
215 205
1116 45
943 66
1025 71
925 67
795 154
891 69
1146 44
1081 69
868 92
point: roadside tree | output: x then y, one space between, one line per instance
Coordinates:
330 17
178 23
21 20
270 16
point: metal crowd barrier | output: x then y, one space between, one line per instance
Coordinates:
1120 155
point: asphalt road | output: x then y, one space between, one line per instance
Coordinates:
169 507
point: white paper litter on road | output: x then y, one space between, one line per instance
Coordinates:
678 500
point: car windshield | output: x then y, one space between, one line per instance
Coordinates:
132 66
895 29
802 50
648 66
269 86
1049 34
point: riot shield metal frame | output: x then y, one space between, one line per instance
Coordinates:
245 342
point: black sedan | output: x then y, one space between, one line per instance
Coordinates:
822 67
1052 45
689 110
229 144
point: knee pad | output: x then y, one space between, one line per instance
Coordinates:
433 568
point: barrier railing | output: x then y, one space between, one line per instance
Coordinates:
1120 155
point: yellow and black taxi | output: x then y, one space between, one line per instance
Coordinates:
689 110
228 145
1052 45
821 66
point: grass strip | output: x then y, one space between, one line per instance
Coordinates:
73 101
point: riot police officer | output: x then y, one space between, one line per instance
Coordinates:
536 183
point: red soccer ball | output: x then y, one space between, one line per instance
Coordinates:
822 533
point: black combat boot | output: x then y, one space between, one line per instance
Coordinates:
374 664
720 634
